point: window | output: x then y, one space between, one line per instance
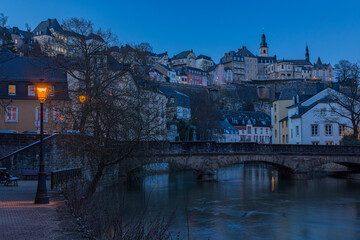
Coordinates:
292 133
315 130
329 143
323 112
249 130
282 124
286 123
51 91
11 114
255 130
342 129
287 138
37 116
283 138
261 131
58 114
275 133
275 118
12 90
31 90
297 131
315 143
328 130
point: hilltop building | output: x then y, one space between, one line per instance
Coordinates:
245 65
299 69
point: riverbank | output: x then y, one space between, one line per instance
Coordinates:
22 219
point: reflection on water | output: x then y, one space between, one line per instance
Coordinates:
249 202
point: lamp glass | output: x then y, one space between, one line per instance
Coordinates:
42 93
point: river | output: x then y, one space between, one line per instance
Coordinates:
249 202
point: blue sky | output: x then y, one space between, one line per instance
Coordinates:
331 28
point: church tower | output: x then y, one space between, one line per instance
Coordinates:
264 50
307 55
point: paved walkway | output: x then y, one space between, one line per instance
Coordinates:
21 219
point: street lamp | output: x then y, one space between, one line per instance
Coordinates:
41 194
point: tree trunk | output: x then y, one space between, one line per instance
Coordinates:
92 187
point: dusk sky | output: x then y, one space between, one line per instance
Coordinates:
331 28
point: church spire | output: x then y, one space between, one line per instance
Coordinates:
264 49
263 41
307 55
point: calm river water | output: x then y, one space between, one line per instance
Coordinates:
248 202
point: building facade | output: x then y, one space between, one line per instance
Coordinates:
299 69
252 126
19 103
315 122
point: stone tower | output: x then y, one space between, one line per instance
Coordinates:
264 50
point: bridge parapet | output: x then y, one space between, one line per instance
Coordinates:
200 148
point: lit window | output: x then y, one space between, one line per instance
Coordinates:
51 91
342 129
11 114
37 116
58 114
328 130
12 89
31 90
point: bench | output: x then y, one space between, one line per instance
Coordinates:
32 173
7 179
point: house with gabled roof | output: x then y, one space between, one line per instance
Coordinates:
312 119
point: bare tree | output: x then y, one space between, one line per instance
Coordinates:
344 70
107 105
346 101
3 20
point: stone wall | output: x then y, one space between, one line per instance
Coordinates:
11 142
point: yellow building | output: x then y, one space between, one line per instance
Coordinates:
19 104
280 119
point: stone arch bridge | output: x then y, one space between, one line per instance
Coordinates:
205 158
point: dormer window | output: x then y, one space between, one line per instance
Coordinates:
51 90
31 90
12 89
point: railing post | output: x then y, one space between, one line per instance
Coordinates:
52 180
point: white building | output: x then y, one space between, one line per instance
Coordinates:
251 126
299 69
314 121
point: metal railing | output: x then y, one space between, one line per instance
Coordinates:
62 176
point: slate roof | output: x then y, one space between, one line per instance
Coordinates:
181 99
283 119
181 55
203 56
6 55
298 62
288 93
242 118
244 52
305 109
30 69
44 27
166 67
228 128
304 93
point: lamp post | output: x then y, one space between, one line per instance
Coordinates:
41 194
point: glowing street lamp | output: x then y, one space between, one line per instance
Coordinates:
82 98
41 193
